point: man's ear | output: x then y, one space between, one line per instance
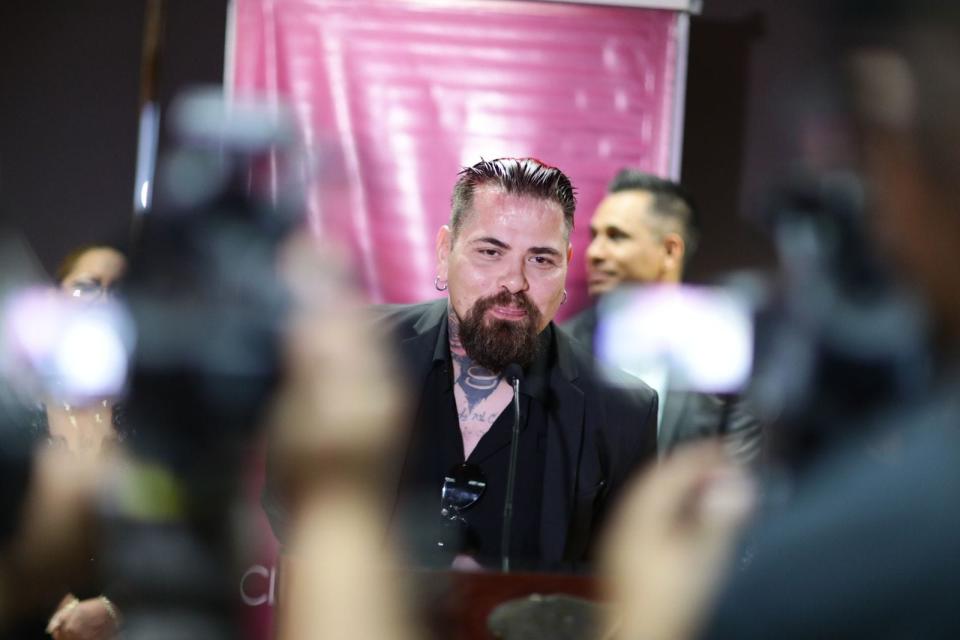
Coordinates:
569 252
444 246
674 250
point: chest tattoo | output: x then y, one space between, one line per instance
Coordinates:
481 395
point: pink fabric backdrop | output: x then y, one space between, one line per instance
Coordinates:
394 96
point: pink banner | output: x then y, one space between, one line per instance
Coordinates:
393 97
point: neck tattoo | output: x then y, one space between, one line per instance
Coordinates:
477 382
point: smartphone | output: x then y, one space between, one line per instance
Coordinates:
690 338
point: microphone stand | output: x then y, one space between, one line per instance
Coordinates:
514 373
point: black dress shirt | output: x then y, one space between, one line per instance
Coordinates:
436 446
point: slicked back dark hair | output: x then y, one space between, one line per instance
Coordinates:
670 201
517 176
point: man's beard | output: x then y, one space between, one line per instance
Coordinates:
495 343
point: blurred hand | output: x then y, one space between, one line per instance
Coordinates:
339 407
68 601
672 541
83 620
334 423
53 540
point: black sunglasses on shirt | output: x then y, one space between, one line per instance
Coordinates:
463 486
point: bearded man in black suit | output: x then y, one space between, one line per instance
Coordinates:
503 262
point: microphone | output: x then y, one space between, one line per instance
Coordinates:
514 374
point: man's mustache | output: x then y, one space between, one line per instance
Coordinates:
506 299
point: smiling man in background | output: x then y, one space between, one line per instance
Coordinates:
643 233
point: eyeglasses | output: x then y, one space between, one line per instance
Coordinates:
463 486
90 290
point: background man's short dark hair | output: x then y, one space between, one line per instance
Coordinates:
670 200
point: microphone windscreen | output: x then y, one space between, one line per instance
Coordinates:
513 372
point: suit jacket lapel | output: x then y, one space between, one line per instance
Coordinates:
416 352
416 356
565 424
675 405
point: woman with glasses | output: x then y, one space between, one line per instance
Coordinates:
88 275
91 273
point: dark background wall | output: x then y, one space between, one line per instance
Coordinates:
69 95
754 68
69 87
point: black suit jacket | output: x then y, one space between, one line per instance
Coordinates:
688 415
599 432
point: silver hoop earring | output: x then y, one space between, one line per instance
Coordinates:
439 287
564 300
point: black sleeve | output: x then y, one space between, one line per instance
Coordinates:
629 437
632 409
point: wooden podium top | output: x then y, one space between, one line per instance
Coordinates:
457 605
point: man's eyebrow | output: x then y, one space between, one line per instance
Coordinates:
503 245
550 251
615 229
490 240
